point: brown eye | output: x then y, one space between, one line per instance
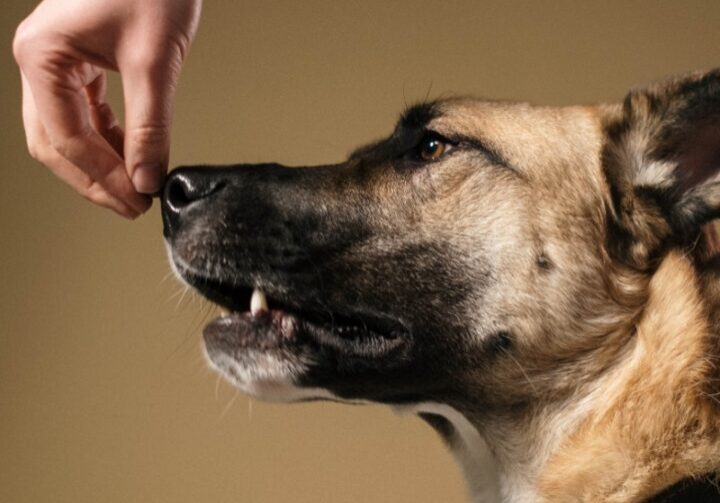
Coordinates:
432 148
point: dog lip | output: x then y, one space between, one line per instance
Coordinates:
277 329
271 329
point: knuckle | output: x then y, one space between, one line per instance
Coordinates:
39 152
27 41
23 38
97 200
147 60
94 196
62 146
150 134
35 152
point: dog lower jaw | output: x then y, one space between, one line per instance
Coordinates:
270 378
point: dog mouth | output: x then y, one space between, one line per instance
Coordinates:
257 321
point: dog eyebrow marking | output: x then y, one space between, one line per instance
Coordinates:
492 155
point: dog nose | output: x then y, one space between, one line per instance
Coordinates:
183 188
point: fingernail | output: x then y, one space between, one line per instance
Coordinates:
148 178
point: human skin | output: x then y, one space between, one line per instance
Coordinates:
64 49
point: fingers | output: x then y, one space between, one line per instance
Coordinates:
40 149
66 118
95 184
149 92
54 84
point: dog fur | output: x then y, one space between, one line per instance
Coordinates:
544 294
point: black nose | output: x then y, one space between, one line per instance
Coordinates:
183 188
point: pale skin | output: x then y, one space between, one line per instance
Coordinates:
64 49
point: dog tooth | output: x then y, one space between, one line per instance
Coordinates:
258 302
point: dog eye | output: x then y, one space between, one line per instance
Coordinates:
432 147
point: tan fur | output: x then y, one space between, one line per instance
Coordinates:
656 423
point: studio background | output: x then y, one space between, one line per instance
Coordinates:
104 393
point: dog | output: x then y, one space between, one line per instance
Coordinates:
540 284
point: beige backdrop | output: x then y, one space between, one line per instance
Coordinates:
104 394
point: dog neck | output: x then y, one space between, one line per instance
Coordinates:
653 419
644 425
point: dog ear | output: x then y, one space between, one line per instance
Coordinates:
662 163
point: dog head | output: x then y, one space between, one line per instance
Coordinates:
478 256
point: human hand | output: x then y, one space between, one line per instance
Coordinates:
64 49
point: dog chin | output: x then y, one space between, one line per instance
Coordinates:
257 373
265 376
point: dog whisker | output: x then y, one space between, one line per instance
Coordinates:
217 386
229 405
185 290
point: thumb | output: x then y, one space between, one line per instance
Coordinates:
149 93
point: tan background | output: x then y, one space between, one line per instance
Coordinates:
104 394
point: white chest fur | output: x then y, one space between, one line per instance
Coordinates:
470 450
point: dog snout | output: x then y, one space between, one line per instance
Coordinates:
184 188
